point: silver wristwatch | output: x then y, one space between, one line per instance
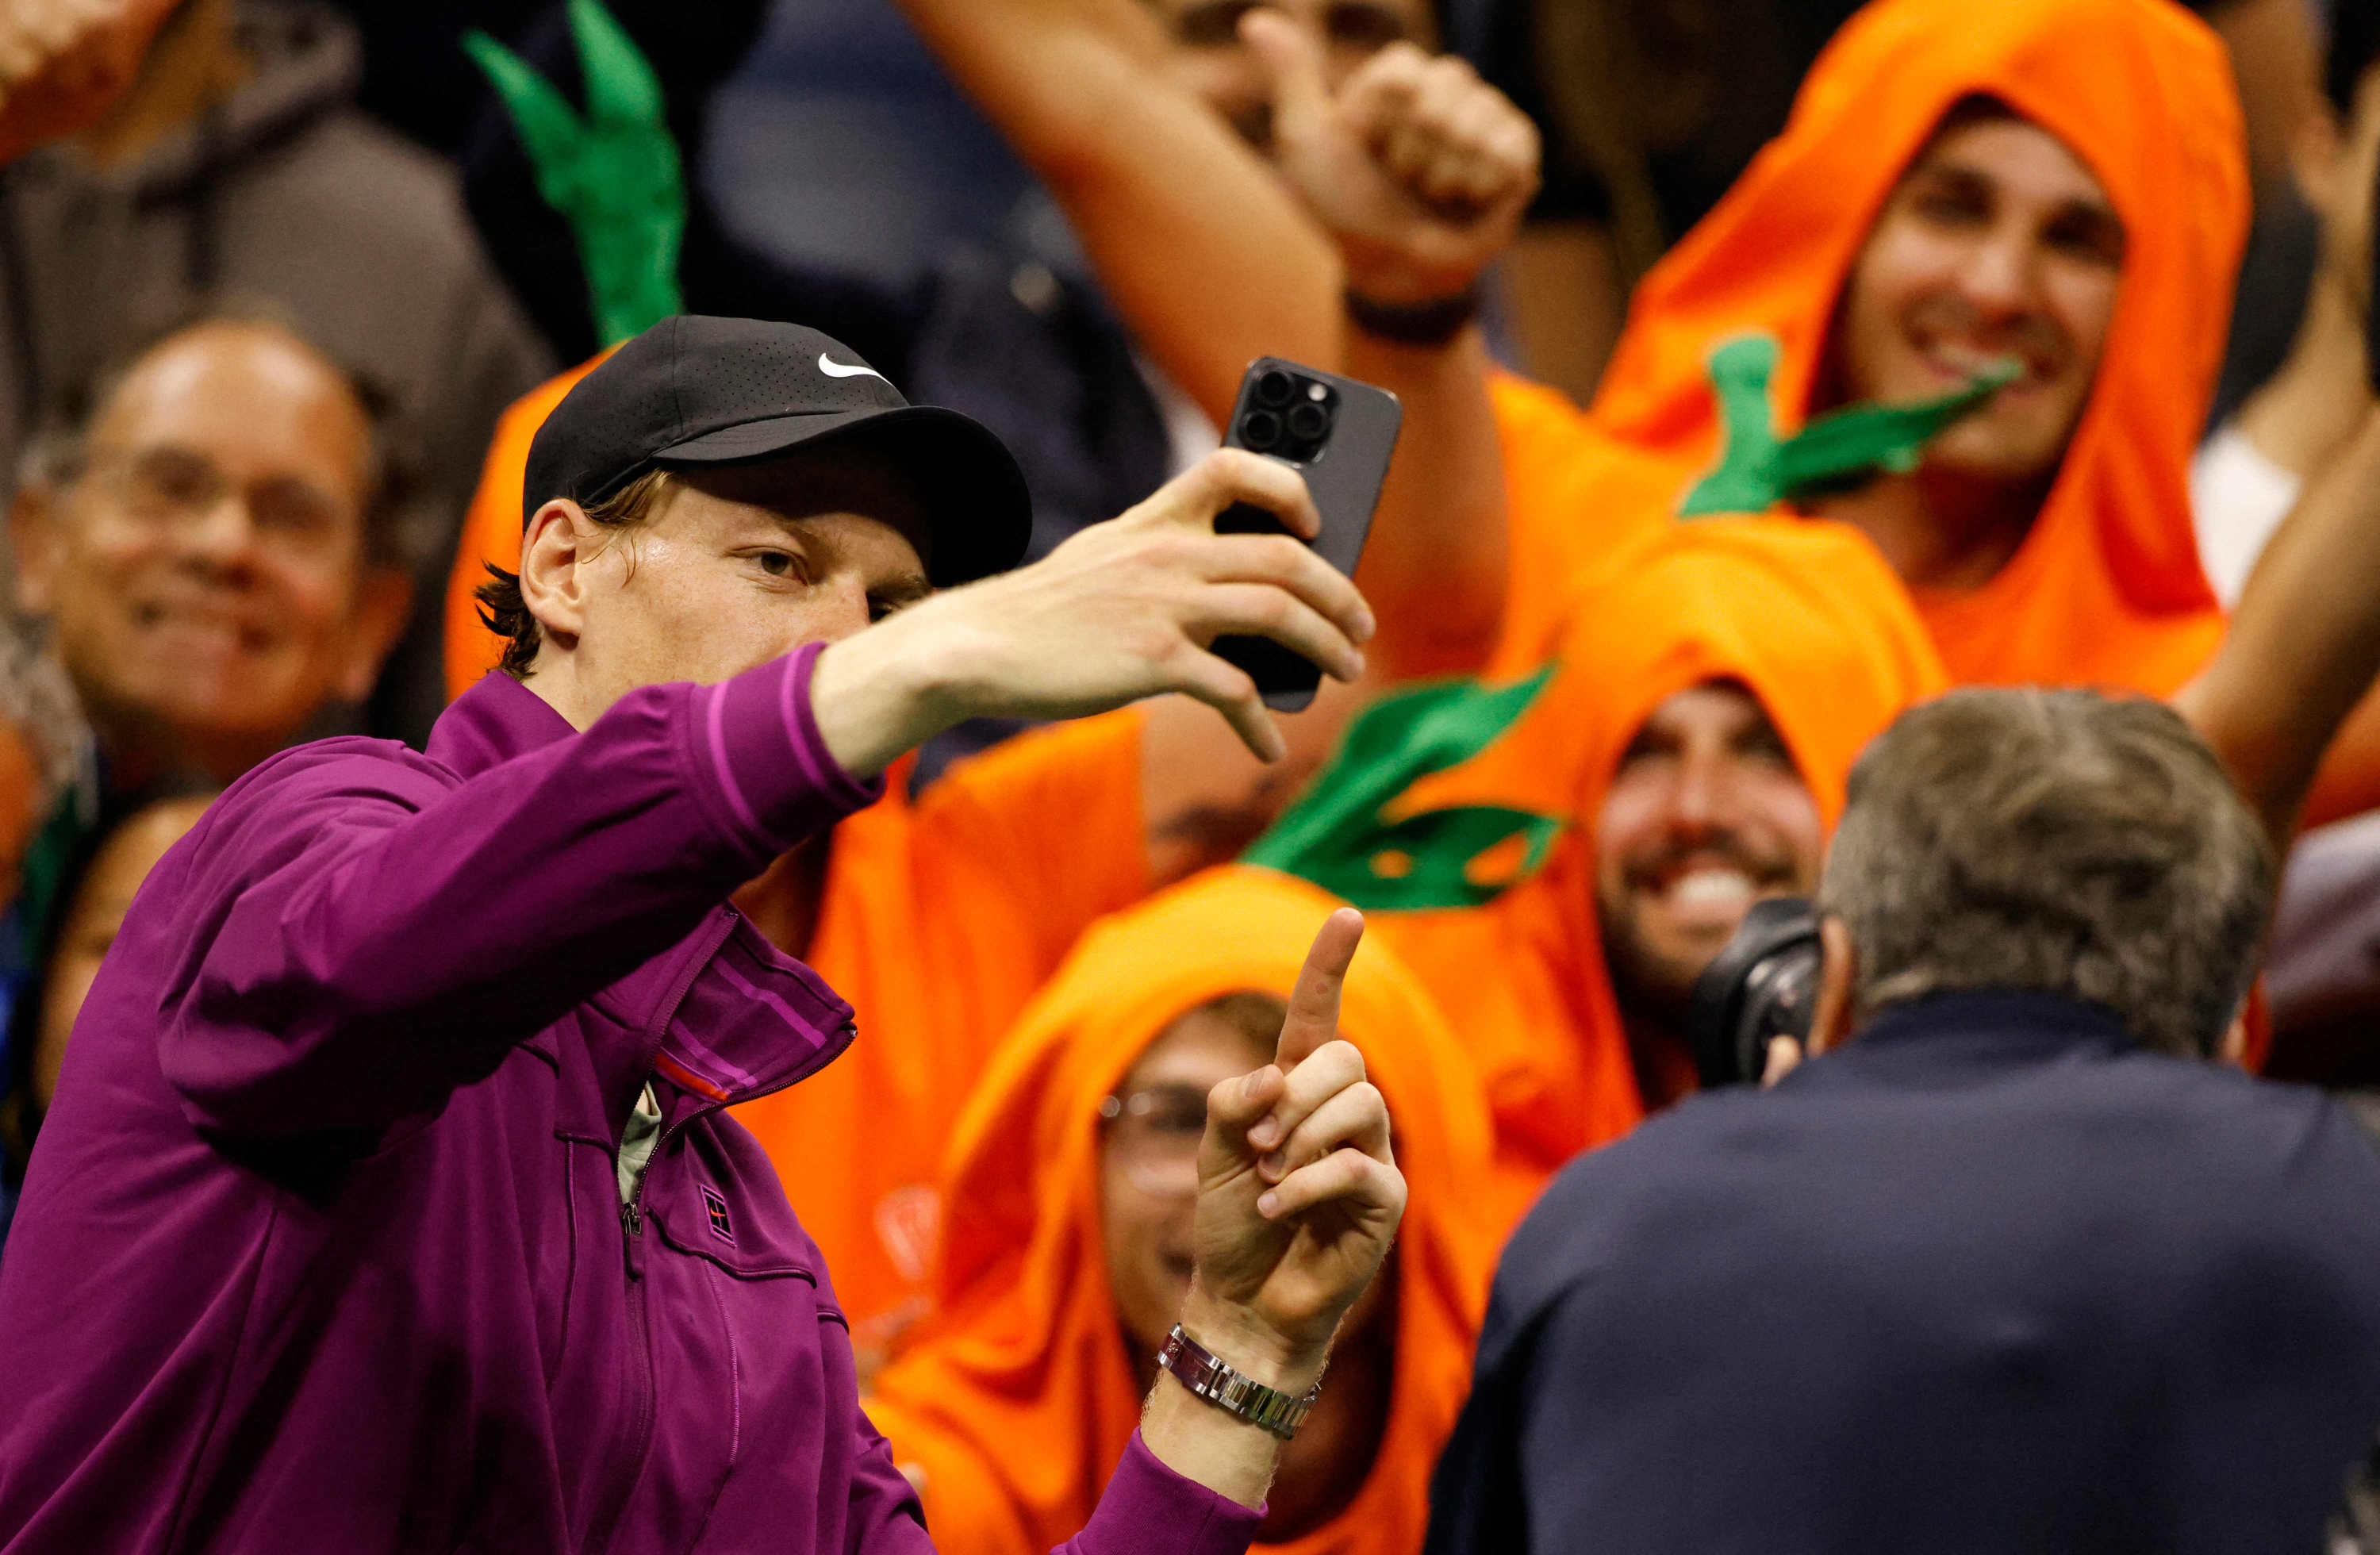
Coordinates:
1268 1408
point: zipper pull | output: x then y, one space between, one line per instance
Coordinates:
632 1220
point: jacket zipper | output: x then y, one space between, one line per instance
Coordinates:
632 1225
632 1243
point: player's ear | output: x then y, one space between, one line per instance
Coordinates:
1830 1022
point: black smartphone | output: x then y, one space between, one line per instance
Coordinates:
1338 433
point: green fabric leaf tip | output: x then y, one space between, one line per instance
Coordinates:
1338 837
1758 469
612 173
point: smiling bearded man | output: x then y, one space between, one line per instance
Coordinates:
2051 188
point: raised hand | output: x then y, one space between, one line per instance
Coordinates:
1299 1195
1125 609
1418 168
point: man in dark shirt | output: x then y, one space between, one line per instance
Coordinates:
2016 1269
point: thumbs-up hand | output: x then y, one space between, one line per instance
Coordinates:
1299 1193
1418 168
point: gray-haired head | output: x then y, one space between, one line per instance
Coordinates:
2062 842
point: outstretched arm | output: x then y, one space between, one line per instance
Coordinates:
1205 253
367 934
2304 643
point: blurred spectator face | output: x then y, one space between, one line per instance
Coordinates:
1213 62
2335 164
1706 815
94 917
203 560
1149 1166
1996 244
20 817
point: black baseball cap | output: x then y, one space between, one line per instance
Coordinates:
694 390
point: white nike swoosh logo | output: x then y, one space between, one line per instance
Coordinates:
834 368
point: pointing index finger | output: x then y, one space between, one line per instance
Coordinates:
1314 1004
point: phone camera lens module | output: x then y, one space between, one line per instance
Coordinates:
1276 388
1260 431
1309 423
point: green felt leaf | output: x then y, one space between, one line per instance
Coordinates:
1758 469
613 173
1338 836
1430 861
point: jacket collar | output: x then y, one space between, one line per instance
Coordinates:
1977 1035
496 721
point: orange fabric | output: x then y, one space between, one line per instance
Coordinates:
1805 615
941 918
2106 588
492 528
1019 1400
1558 530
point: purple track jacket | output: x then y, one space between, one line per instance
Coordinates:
323 1247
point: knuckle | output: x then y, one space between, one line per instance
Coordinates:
1172 551
1283 555
1236 466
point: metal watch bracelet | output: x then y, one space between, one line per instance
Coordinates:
1245 1398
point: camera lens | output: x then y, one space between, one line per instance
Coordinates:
1309 423
1275 388
1259 431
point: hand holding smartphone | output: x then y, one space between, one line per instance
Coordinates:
1339 434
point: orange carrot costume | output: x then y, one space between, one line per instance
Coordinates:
2106 588
1021 1394
1459 816
1561 528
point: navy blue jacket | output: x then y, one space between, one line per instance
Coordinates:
1992 1277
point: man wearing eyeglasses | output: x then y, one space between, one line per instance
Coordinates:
213 547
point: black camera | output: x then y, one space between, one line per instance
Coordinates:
1287 417
1763 985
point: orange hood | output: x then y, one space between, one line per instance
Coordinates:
2107 586
1479 873
1019 1399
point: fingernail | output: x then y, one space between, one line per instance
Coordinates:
1268 1204
1264 1135
1270 1164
